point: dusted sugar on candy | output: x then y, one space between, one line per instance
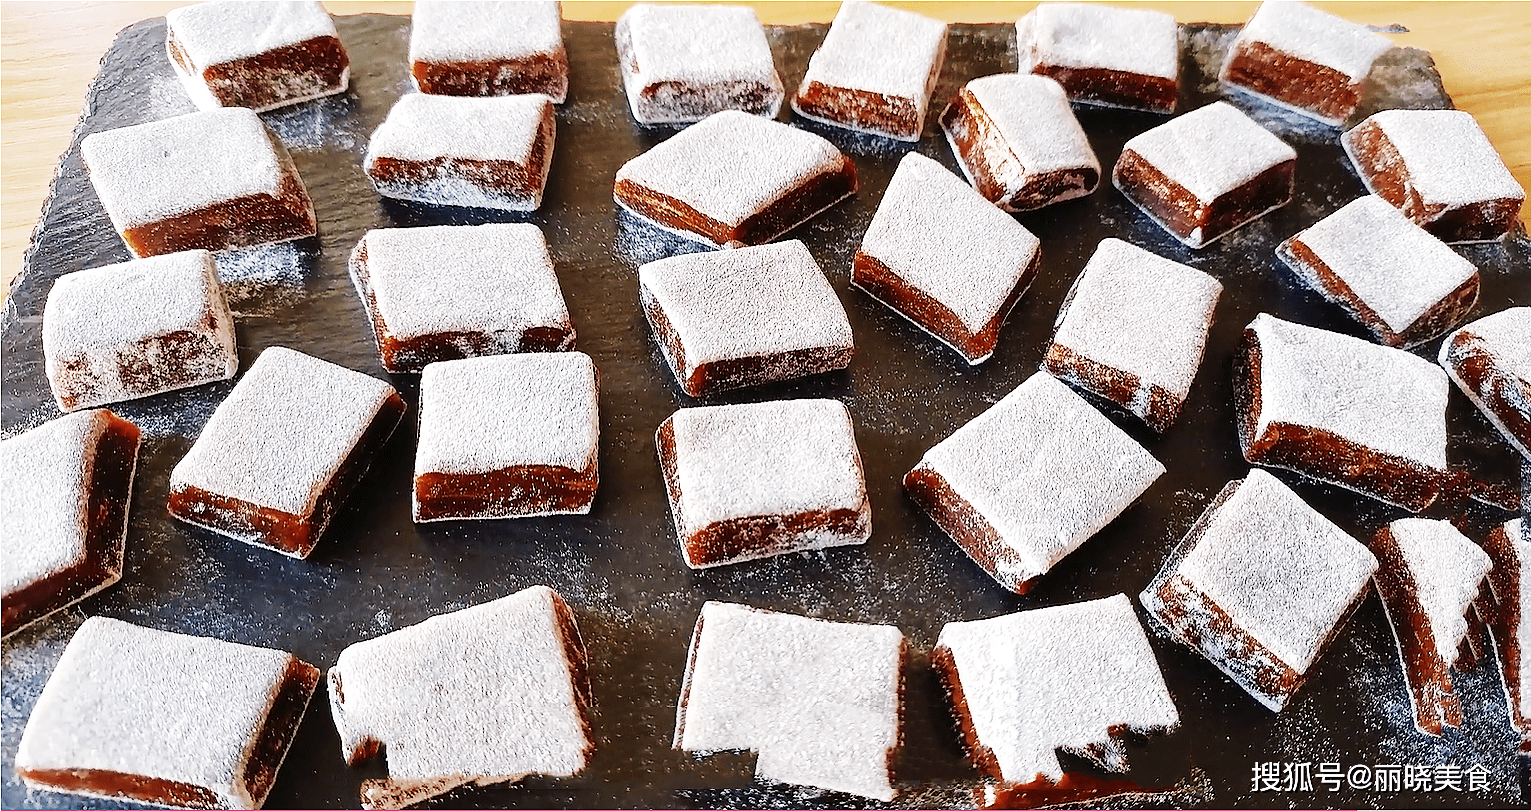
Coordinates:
1029 480
1403 284
874 71
1205 173
490 694
488 48
459 151
1018 142
1304 59
735 177
1119 57
683 63
821 703
1366 417
1505 607
744 317
165 719
136 329
1133 330
508 436
763 479
447 292
1260 585
283 451
212 180
256 55
66 486
1490 361
942 256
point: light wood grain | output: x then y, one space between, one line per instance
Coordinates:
49 52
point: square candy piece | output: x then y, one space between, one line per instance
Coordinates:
488 48
160 718
1133 330
447 292
820 702
1017 140
138 328
509 436
489 694
66 486
761 479
683 63
1205 173
283 451
1439 167
874 72
1029 480
256 55
1119 57
1403 284
1260 585
1490 361
1070 677
1366 417
458 151
942 256
1304 59
212 180
735 177
1506 609
744 317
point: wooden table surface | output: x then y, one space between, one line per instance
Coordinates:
49 52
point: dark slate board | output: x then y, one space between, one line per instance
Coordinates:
619 568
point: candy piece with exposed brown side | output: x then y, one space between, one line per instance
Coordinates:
942 256
735 177
1304 59
1132 330
757 480
212 180
1428 578
447 292
820 702
1440 169
1260 585
1118 57
507 436
67 485
1018 142
1071 677
488 48
1403 284
486 695
256 55
1490 361
1029 480
283 451
164 719
1366 417
1205 173
476 152
683 63
1505 607
874 71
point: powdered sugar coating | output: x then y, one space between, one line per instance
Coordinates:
1395 268
1506 335
1507 613
1314 36
1045 469
216 32
1447 569
943 238
1211 151
732 165
484 695
1033 115
482 31
878 49
1091 35
1502 344
1380 398
1065 677
1140 313
819 701
423 127
1449 161
709 51
283 432
156 704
